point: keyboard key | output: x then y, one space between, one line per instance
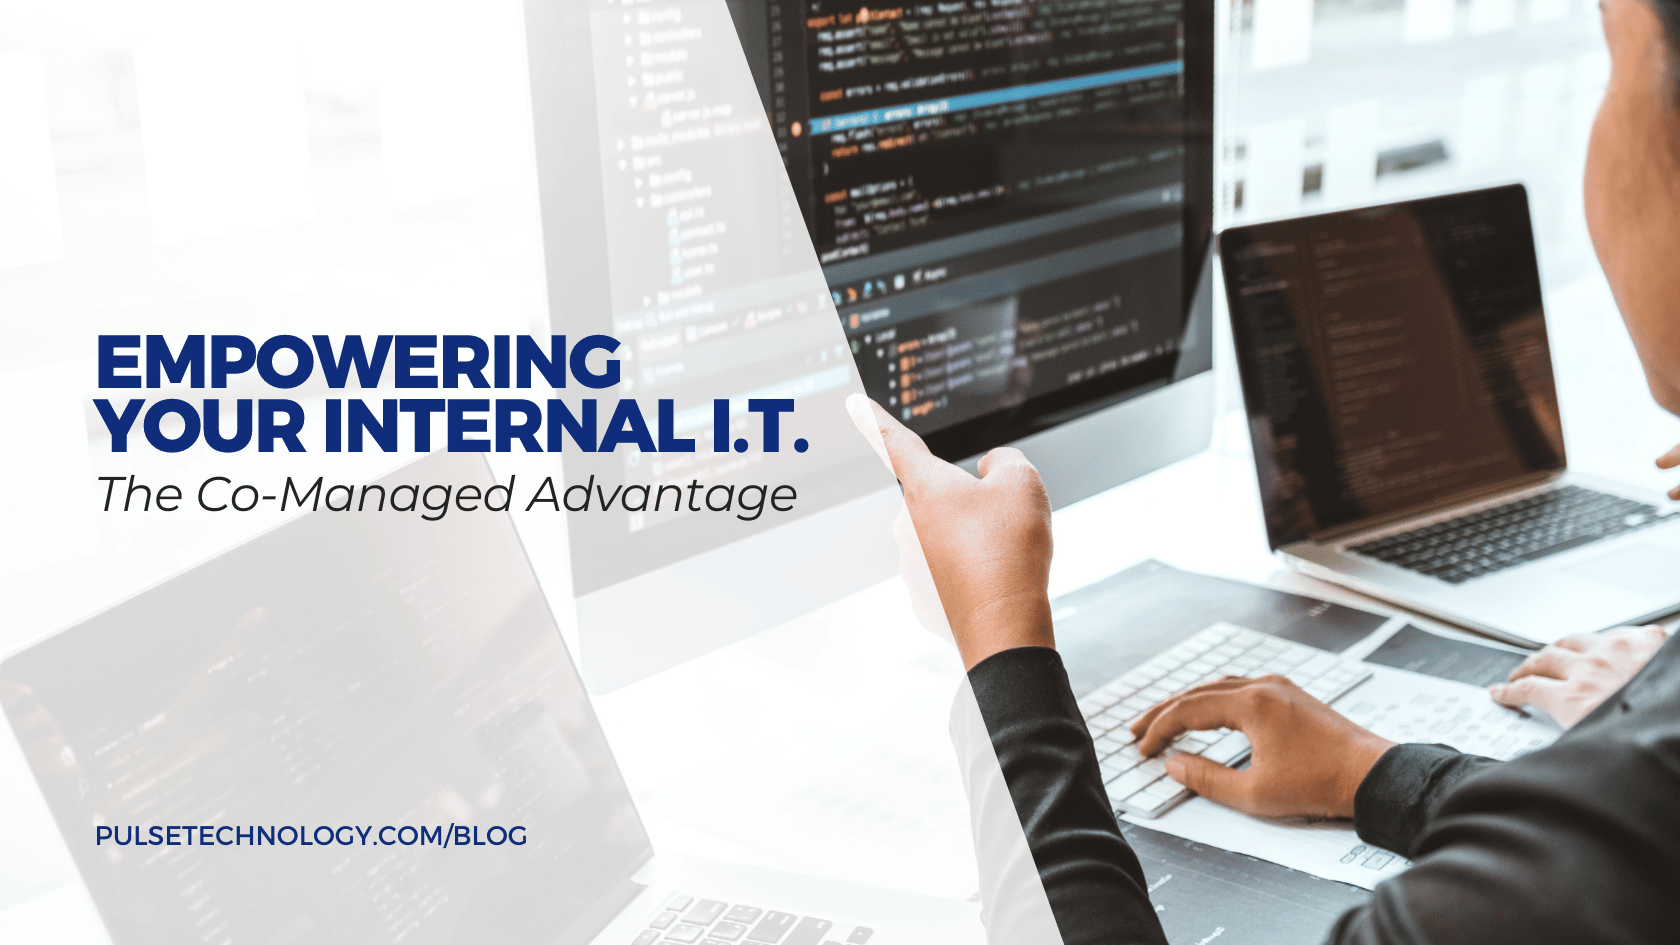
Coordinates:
705 912
1319 665
683 932
744 914
1109 744
679 902
1131 782
647 937
809 931
1166 789
772 927
1114 766
728 931
859 936
663 920
1145 804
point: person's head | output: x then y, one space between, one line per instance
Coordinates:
1633 183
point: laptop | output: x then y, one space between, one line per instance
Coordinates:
374 724
1405 422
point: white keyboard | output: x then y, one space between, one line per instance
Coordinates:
1140 786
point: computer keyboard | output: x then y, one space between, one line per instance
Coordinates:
1512 533
712 922
1140 786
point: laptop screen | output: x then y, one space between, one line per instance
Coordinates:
1392 358
371 719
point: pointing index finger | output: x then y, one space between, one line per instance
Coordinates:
910 459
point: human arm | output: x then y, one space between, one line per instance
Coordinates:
986 542
1092 879
1534 850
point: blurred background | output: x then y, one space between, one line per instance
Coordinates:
1347 102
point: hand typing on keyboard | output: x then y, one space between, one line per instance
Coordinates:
1141 786
1306 759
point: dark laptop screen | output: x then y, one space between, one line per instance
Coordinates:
384 689
1391 357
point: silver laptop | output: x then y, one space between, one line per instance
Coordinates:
1406 429
365 727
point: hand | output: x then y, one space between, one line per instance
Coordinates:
1669 460
986 540
1307 760
1573 676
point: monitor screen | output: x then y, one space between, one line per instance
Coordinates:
363 682
1009 205
1392 358
1010 199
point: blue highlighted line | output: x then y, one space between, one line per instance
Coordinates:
939 106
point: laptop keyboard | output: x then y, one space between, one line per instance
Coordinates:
1513 533
1140 786
711 922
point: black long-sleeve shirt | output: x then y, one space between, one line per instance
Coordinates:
1578 842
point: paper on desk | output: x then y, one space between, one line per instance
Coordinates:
1398 705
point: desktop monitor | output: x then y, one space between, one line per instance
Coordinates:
1010 207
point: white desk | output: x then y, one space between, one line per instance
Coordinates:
835 759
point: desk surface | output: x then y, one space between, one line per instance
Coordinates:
815 785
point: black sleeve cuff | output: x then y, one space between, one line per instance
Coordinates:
1395 801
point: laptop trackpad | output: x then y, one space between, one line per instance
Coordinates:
1642 569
